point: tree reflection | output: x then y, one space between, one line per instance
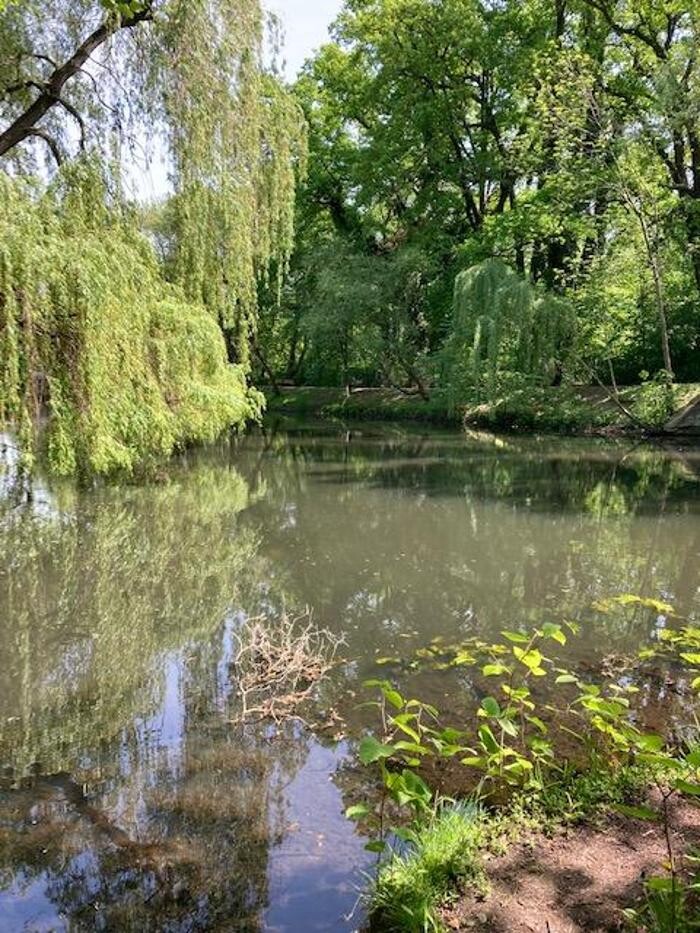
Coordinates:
407 537
128 801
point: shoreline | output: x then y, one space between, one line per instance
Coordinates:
572 411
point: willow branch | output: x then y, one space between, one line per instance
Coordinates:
50 142
51 94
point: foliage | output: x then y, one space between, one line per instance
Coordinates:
516 745
656 401
124 367
194 73
505 331
443 856
556 139
128 364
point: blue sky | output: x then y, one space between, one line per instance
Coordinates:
306 25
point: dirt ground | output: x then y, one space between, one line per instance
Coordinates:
579 880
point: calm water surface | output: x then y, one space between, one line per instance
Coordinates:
129 800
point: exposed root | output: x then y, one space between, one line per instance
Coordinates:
279 664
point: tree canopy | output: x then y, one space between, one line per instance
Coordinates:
126 355
560 137
344 230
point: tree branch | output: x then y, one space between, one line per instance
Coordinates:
50 142
635 32
25 124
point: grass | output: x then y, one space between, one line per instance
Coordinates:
443 857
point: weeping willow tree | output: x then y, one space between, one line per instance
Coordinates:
506 333
92 338
124 364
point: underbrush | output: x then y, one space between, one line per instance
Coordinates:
548 411
443 858
535 409
439 859
531 766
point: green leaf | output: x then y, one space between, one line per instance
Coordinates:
358 812
532 659
488 739
494 670
686 787
402 723
550 630
371 750
394 697
662 884
566 679
377 845
417 786
463 658
474 761
490 705
649 742
412 747
536 721
637 813
508 726
517 637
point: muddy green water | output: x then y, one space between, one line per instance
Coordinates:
128 798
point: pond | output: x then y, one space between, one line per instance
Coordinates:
129 797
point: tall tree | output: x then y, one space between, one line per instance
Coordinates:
128 364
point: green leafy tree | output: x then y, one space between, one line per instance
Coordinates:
83 300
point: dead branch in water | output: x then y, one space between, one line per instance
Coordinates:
278 665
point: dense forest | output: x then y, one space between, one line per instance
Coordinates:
469 197
544 155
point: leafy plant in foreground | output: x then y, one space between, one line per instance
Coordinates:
513 747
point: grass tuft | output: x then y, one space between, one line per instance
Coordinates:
441 859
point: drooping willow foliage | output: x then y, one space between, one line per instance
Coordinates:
236 157
93 340
128 366
505 331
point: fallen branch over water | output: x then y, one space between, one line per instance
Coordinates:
279 664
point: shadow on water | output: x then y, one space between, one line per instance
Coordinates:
129 799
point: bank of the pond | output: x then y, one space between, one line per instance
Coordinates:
584 410
525 867
586 877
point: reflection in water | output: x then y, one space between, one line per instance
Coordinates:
128 799
408 538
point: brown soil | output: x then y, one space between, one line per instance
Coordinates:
578 880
